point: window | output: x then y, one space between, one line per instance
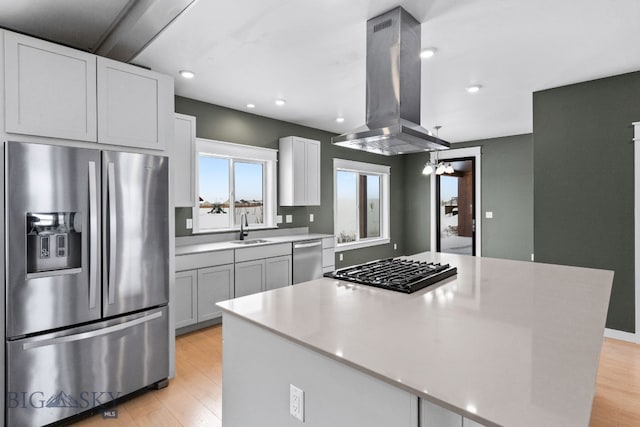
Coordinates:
233 180
361 200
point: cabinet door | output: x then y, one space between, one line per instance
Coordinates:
466 422
432 415
299 178
278 272
50 89
215 284
185 301
135 106
250 277
313 172
183 158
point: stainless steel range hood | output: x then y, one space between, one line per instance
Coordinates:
393 90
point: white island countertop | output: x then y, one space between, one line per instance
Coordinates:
502 342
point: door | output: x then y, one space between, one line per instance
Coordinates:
455 211
185 302
136 231
215 284
135 106
278 273
50 89
249 277
53 241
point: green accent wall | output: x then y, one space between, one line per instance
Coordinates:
225 124
507 191
584 182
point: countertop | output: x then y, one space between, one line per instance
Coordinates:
502 342
196 248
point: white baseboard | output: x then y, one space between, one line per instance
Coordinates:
621 335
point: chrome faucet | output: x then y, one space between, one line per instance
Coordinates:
243 224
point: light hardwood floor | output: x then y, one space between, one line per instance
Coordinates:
194 397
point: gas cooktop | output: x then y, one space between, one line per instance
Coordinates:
396 274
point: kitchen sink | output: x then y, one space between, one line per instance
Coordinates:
249 241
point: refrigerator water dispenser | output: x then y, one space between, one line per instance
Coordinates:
53 241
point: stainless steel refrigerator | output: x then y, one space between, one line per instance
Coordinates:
87 278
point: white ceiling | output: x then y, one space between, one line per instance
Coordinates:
312 53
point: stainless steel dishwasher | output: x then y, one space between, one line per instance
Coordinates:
307 260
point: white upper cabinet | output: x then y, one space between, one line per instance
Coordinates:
135 106
50 90
299 167
183 158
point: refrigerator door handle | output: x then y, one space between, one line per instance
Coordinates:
93 235
90 334
113 231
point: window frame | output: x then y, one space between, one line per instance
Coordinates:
384 172
267 157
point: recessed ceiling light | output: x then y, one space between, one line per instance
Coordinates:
428 52
474 88
280 102
251 105
187 74
340 119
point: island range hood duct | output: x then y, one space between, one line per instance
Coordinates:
393 90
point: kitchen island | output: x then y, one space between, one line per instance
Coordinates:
501 343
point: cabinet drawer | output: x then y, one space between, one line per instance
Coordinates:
206 259
263 251
328 257
328 242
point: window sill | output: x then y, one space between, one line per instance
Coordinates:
234 230
362 244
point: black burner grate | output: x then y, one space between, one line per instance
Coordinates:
396 274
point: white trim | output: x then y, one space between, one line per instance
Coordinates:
636 221
620 335
352 165
454 154
365 243
236 151
384 172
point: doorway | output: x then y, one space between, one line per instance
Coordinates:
455 208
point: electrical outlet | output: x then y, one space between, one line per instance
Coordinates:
488 214
289 218
310 217
532 257
189 224
395 246
341 257
278 219
296 402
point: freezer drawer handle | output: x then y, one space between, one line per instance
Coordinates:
93 243
111 178
306 245
90 334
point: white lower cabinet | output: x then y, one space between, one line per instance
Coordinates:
278 272
262 275
186 298
432 415
197 292
215 284
250 277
